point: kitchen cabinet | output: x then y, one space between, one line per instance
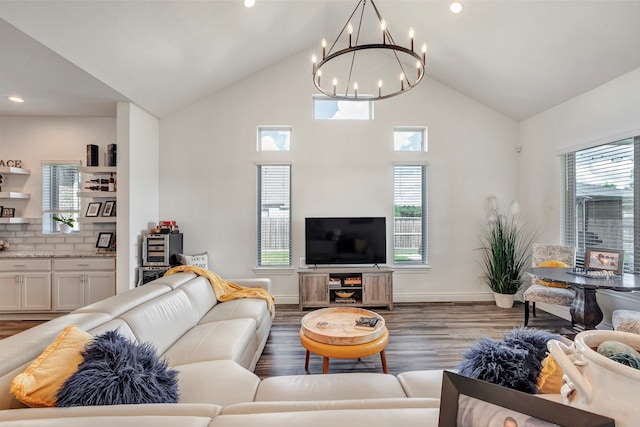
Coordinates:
25 285
81 281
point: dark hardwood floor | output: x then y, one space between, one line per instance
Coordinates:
421 336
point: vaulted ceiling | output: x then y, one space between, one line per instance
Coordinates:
518 57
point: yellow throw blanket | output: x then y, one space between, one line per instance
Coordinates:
225 290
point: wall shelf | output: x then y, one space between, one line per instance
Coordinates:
98 219
98 194
14 220
14 171
14 195
98 170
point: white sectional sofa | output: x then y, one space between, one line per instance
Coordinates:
215 346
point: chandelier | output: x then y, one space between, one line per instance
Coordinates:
384 69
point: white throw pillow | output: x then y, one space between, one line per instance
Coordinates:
198 260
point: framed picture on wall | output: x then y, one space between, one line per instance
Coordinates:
468 402
104 240
109 208
93 209
8 212
604 259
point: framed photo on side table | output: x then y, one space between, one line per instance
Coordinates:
604 259
467 402
93 209
109 208
104 240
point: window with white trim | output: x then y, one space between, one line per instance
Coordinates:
325 108
274 216
274 138
410 138
60 187
601 204
410 243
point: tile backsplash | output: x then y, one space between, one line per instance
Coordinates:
29 237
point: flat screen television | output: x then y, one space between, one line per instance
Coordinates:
342 240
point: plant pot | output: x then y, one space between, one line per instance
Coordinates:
504 300
65 228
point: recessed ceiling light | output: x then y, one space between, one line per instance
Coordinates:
15 98
456 7
249 3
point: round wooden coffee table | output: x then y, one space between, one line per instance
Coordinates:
331 332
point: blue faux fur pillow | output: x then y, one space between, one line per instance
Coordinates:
117 371
514 362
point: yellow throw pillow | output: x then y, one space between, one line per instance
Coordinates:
550 378
38 384
553 264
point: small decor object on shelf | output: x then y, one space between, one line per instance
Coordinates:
344 294
109 208
93 209
366 322
104 240
8 212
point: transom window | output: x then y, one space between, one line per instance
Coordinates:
274 138
325 108
410 139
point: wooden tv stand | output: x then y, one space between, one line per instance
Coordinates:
322 287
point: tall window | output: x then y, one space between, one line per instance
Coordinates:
274 215
325 108
410 244
60 186
601 203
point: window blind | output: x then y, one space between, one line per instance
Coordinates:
60 187
274 215
410 234
600 206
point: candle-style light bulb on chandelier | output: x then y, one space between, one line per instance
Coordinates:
375 63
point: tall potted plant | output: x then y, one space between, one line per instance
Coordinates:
506 253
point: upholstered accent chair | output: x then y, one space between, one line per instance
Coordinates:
549 293
626 321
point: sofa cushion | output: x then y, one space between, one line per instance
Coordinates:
324 405
162 320
197 260
219 382
404 417
422 383
38 384
358 385
117 371
253 308
228 339
114 420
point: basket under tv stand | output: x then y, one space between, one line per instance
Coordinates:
345 287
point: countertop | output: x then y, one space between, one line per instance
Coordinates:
57 254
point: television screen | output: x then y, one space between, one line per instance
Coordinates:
345 240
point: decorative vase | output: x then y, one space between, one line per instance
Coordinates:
65 228
504 300
596 383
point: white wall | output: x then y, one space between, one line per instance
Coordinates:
138 165
36 139
208 180
607 113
